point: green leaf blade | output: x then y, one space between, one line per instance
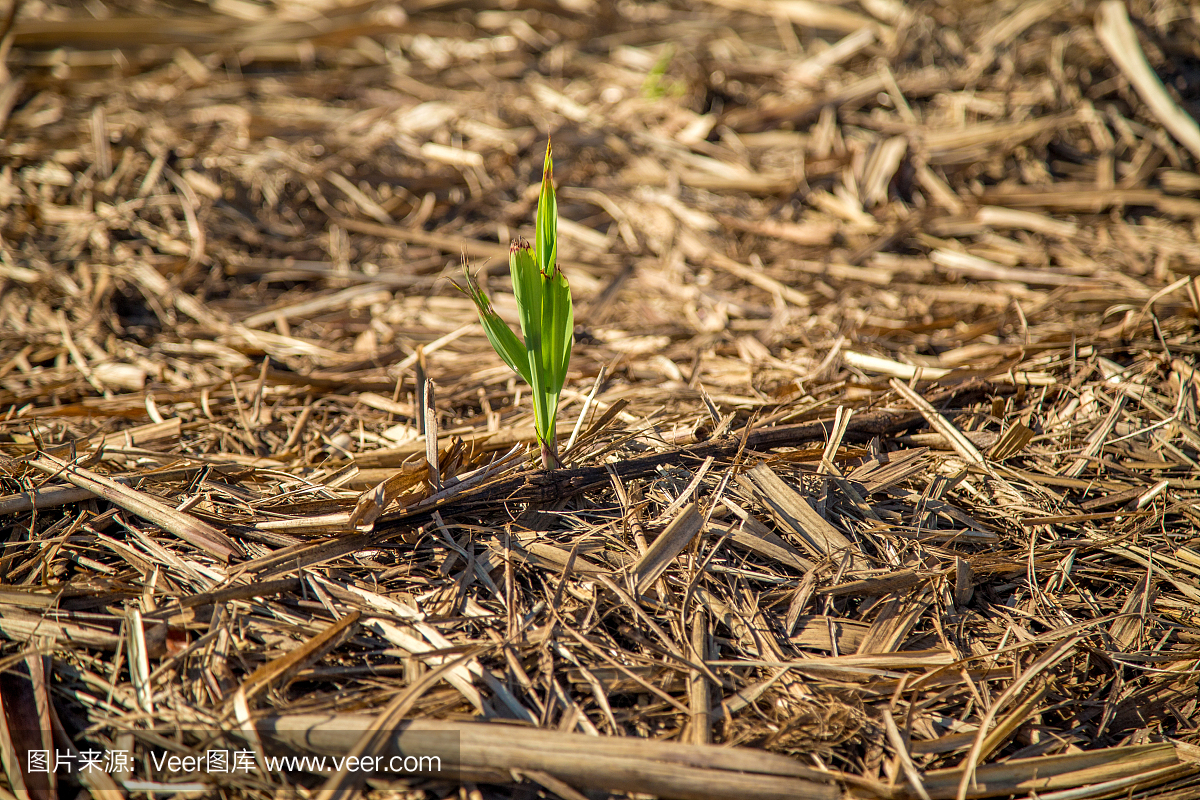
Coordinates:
499 335
558 324
546 226
558 329
529 286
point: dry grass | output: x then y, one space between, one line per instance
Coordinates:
884 408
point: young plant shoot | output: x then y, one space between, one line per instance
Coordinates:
547 317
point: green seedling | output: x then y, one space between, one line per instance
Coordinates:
547 317
656 86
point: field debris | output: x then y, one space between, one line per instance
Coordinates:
879 444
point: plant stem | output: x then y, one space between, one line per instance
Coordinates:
550 459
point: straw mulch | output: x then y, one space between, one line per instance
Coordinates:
883 417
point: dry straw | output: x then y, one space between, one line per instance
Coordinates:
885 472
